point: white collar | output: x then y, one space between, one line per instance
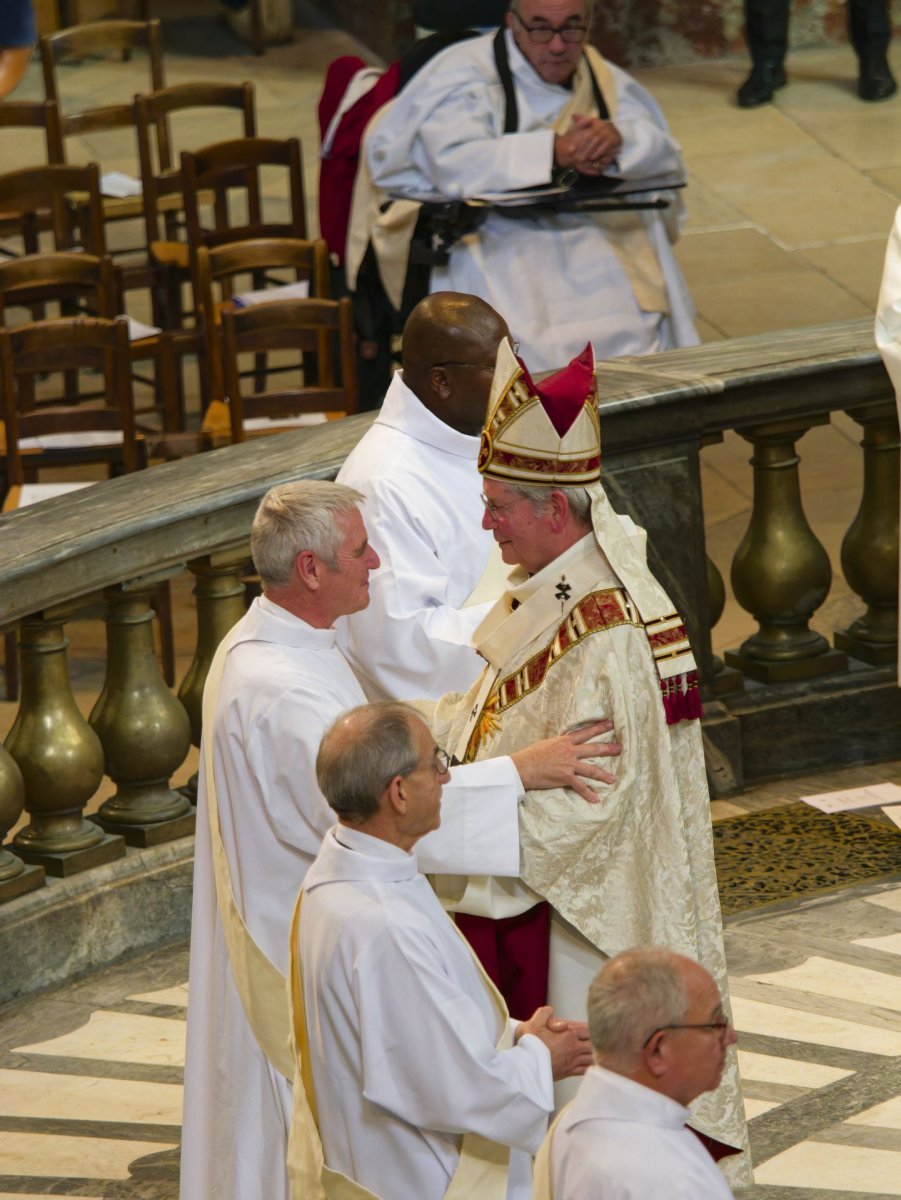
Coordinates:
403 410
266 621
348 855
617 1098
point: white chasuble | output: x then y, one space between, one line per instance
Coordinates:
888 316
423 513
635 869
403 1031
557 280
283 685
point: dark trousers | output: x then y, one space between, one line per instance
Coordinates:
766 27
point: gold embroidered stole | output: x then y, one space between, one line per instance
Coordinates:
483 1166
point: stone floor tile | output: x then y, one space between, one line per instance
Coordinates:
60 1156
736 255
722 810
864 137
88 1098
886 1115
124 1037
176 996
800 299
704 209
891 900
890 944
779 1021
765 188
888 178
708 332
712 131
767 1068
756 1108
853 1168
855 266
825 977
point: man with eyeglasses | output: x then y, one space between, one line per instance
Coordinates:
530 106
410 1052
416 468
660 1037
277 683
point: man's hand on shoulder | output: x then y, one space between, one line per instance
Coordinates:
590 145
563 761
567 1041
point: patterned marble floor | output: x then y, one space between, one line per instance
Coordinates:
90 1074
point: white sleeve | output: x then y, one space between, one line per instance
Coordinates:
479 831
648 147
443 1074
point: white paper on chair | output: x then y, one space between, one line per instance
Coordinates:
850 798
253 423
284 291
138 330
34 493
63 441
120 185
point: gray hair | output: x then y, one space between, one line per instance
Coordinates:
633 995
294 517
538 494
589 8
361 753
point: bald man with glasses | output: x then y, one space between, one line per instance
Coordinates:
533 105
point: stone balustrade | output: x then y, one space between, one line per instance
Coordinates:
788 699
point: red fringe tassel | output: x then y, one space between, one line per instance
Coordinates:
681 698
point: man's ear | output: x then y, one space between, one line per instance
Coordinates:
558 510
439 382
307 567
396 795
654 1056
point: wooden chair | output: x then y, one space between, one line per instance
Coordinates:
26 115
64 200
324 327
162 185
231 174
254 262
121 39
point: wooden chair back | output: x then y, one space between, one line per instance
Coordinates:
66 344
65 277
324 327
231 172
67 199
35 114
220 268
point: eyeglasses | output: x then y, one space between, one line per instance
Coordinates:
542 34
456 362
721 1027
494 509
440 764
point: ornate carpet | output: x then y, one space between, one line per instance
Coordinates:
796 851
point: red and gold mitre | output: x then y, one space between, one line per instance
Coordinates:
546 432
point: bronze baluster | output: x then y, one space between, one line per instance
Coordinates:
219 589
59 755
781 573
16 877
870 547
144 729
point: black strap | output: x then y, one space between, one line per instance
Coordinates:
511 112
502 62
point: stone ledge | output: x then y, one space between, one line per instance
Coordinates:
91 920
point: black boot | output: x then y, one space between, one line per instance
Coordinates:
758 88
875 81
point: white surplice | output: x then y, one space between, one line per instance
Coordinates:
556 279
283 686
403 1031
619 1140
423 513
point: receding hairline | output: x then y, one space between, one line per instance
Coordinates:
440 322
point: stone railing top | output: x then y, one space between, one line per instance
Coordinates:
137 525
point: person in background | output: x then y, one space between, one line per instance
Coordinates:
18 34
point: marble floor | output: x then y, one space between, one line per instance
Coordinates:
788 209
90 1074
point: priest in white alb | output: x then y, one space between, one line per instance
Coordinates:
584 627
421 1086
416 469
530 107
277 682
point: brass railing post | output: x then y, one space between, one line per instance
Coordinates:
781 573
16 877
870 547
219 590
59 755
143 728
